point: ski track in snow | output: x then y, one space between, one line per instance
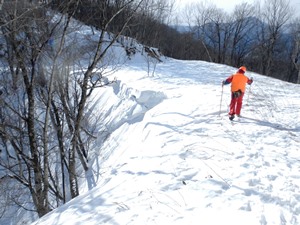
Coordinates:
174 158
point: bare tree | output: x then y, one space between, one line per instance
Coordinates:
20 126
148 25
242 29
273 15
295 53
43 131
86 88
198 16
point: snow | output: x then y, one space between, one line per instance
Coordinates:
172 157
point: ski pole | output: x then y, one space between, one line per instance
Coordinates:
249 92
221 100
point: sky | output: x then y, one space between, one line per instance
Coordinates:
174 157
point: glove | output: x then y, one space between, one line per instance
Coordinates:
250 80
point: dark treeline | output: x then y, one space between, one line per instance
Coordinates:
264 37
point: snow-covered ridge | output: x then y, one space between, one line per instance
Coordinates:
172 157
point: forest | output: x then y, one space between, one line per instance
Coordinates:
264 37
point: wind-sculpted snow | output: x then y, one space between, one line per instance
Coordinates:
131 105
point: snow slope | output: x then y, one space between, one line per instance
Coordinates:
172 158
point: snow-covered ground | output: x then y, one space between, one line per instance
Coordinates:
174 158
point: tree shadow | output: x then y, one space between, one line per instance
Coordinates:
276 126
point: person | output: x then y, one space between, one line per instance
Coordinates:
238 83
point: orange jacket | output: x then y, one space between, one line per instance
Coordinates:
238 82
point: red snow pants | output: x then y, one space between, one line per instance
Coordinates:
236 104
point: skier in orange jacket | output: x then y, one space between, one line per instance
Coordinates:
238 86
